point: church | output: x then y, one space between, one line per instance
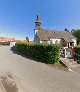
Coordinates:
41 35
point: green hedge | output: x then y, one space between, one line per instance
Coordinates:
77 52
45 53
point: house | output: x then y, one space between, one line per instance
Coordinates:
25 41
65 39
6 41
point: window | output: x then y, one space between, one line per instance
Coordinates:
71 44
56 42
51 41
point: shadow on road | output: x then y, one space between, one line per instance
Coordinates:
14 50
58 66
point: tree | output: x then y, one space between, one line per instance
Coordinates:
72 31
76 33
27 39
66 30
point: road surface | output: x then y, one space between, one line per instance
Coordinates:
20 74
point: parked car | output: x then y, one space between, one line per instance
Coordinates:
6 43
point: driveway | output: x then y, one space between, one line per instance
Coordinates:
20 74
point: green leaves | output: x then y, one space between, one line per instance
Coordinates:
77 52
76 33
44 53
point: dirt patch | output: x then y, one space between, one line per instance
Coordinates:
59 66
9 83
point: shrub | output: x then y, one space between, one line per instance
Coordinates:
44 53
77 52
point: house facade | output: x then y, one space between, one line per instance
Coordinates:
65 39
6 41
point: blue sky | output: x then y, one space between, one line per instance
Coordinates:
17 17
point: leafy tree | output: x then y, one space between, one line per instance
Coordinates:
76 33
66 30
27 39
72 31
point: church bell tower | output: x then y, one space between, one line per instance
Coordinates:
37 23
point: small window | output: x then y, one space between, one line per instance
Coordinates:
51 42
71 44
56 42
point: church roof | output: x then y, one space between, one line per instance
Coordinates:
47 34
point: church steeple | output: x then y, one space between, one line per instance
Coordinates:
38 23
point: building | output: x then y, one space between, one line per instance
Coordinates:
65 39
25 41
12 41
6 41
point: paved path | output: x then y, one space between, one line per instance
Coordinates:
30 76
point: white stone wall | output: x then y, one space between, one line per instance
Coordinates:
40 41
35 31
55 41
36 39
12 43
48 42
75 42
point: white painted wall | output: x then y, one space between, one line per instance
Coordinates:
48 42
35 31
40 41
53 41
75 42
36 39
12 43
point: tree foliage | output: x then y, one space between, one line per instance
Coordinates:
27 39
72 31
66 30
76 33
77 52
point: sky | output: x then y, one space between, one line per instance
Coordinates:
17 17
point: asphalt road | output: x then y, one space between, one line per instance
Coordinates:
32 76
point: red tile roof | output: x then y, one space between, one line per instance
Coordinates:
4 39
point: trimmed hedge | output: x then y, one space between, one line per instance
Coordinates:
44 53
77 52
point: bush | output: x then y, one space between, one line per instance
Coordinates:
77 52
44 53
